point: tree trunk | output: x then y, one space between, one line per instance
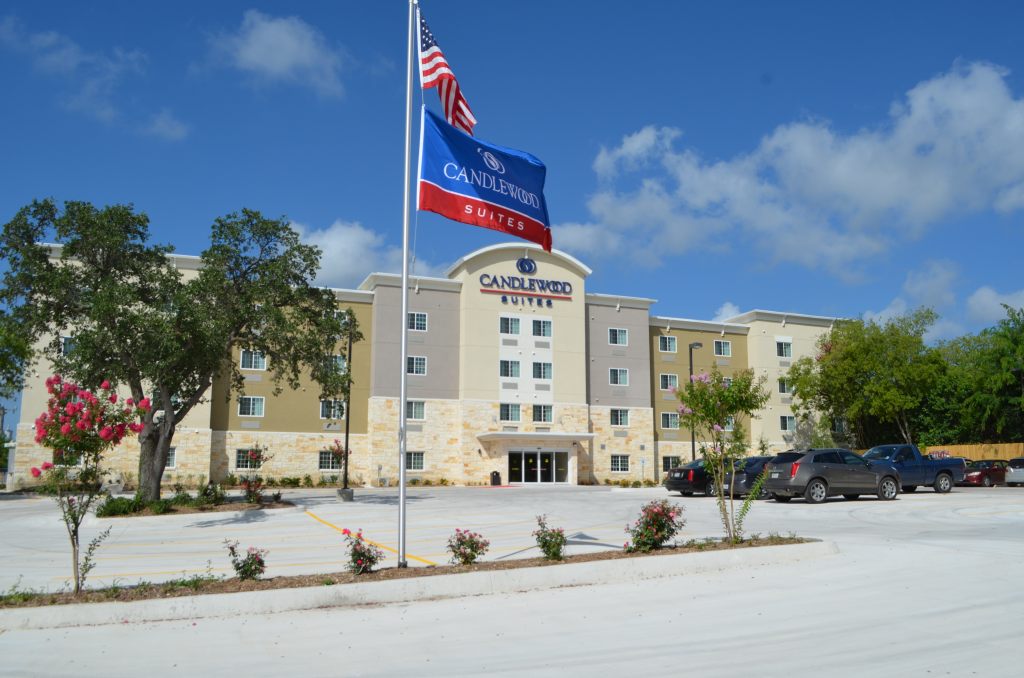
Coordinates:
155 446
74 562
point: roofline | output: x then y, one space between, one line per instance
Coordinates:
188 261
784 316
516 246
341 294
700 325
617 299
419 281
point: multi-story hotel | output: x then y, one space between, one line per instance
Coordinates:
513 367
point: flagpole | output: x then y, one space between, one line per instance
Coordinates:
403 395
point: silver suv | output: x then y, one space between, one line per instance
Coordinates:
818 474
1015 472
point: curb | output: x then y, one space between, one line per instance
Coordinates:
409 590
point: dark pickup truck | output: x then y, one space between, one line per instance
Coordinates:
915 469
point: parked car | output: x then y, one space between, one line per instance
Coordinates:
817 474
690 478
915 470
985 472
747 472
1015 472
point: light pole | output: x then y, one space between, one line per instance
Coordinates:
693 439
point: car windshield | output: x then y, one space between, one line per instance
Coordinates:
1017 463
886 452
980 464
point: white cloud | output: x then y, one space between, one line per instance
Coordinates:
726 311
931 286
351 252
94 77
896 307
282 49
985 305
165 126
818 197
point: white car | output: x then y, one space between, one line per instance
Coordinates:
1015 472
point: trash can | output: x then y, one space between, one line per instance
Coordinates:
495 478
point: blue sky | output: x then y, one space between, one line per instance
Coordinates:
826 158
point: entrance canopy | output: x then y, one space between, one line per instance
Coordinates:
529 436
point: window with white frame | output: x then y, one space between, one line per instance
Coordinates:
618 336
669 463
542 414
618 376
67 345
667 344
669 420
251 406
336 363
620 463
542 370
253 360
730 423
332 409
508 368
508 325
415 410
620 417
328 461
542 328
669 381
787 422
246 460
508 411
784 349
171 460
413 461
784 387
416 364
723 348
417 321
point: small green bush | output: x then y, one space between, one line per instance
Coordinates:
427 482
636 483
231 480
161 506
118 506
248 565
658 523
550 540
466 546
443 481
649 483
307 480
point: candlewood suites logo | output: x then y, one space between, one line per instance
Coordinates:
518 290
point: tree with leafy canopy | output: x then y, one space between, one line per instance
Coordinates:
137 320
866 371
993 405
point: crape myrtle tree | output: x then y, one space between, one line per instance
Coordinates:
138 321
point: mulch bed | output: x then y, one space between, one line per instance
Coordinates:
203 585
228 505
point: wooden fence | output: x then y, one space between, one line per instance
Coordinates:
980 450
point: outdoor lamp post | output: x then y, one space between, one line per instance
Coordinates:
693 439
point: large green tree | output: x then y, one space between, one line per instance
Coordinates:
993 405
137 320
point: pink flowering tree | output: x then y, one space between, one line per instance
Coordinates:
711 406
80 426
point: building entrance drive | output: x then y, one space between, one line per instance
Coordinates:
538 467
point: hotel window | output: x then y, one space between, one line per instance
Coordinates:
171 461
618 337
542 328
670 420
413 461
250 406
417 322
667 344
730 423
542 414
787 422
508 411
328 461
508 368
243 460
618 376
723 348
416 364
67 345
669 463
508 325
784 387
336 363
332 409
620 463
669 381
253 360
620 417
542 370
415 410
784 349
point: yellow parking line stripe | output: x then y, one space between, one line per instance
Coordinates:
386 548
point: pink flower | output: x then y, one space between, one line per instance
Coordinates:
105 385
36 472
135 427
129 401
47 466
106 433
65 429
717 428
346 532
113 398
144 404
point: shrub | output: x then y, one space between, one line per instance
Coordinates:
443 481
466 546
636 483
250 565
362 555
210 494
607 481
118 506
231 480
427 482
181 496
307 480
658 523
289 482
253 489
550 540
414 481
623 483
649 483
161 506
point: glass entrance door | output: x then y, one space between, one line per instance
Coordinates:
515 467
529 467
547 471
538 467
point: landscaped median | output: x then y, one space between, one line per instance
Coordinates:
223 598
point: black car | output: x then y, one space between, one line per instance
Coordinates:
816 475
746 474
690 478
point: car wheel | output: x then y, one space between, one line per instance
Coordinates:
888 489
851 497
986 482
685 494
764 494
816 492
782 499
910 488
709 489
943 483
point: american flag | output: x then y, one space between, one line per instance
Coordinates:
435 72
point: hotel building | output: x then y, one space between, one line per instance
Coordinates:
513 367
